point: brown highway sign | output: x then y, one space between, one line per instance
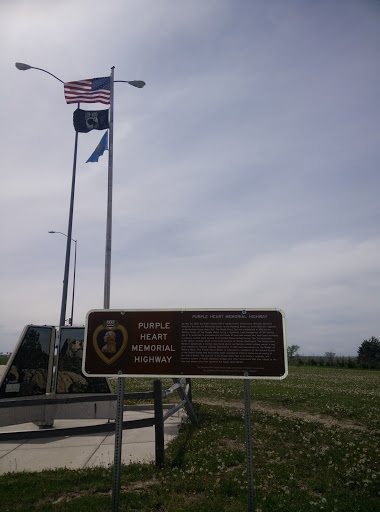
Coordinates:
213 343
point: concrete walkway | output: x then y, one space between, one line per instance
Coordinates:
83 451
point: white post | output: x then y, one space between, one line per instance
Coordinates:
107 270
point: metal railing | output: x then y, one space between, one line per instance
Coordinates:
102 406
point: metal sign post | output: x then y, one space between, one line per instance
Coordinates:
248 443
118 443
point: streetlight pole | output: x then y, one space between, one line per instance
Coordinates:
74 273
62 319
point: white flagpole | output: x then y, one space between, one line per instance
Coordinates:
107 270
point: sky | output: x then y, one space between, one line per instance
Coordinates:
246 172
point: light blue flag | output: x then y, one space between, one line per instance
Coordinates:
100 148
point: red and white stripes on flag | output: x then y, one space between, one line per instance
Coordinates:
93 90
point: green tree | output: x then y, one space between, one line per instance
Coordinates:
292 351
369 353
329 358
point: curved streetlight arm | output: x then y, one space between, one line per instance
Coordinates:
24 67
64 234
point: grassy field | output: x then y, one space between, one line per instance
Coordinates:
315 440
3 359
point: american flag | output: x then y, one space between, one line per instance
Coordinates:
93 90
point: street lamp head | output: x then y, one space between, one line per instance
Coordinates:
137 83
51 231
22 67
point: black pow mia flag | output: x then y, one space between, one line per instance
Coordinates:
87 120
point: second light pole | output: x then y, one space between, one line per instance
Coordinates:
74 271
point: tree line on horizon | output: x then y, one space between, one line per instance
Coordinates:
368 357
